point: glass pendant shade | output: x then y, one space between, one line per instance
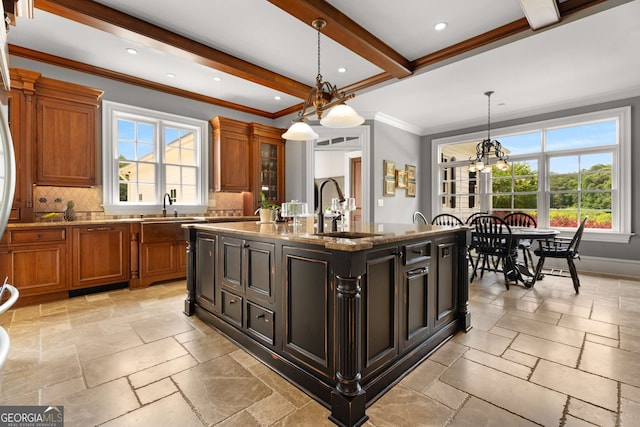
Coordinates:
342 116
300 131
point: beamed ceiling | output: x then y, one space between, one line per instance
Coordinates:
399 67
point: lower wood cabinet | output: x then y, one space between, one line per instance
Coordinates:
163 252
35 260
100 255
206 289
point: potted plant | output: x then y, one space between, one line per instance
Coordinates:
267 209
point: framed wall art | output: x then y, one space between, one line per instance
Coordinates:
411 172
411 189
401 178
389 187
389 169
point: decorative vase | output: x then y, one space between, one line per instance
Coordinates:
70 213
267 215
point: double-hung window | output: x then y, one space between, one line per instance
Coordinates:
560 171
150 157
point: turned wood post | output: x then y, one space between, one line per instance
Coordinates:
348 399
189 302
464 317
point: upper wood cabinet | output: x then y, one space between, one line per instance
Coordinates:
268 163
231 155
66 133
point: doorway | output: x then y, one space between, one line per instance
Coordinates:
341 154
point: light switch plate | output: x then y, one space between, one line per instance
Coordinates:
380 202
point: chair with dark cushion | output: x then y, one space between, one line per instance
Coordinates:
446 219
521 219
419 218
493 240
561 247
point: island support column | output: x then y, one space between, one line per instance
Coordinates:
348 399
189 302
464 317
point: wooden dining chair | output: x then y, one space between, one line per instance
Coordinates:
419 218
493 240
521 219
446 219
561 247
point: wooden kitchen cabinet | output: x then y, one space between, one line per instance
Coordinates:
162 252
35 261
100 255
267 174
66 133
231 155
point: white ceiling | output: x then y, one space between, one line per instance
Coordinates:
590 56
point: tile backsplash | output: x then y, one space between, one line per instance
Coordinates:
88 202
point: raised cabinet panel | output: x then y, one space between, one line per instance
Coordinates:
231 155
231 262
100 255
418 307
260 268
36 270
206 273
66 135
308 314
446 287
158 259
380 303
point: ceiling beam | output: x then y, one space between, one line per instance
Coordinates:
349 34
139 31
125 78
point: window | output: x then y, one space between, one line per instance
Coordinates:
147 154
561 170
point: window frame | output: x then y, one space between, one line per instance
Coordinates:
110 114
621 164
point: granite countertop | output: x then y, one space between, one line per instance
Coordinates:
360 237
145 220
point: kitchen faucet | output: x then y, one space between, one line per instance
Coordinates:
320 208
164 203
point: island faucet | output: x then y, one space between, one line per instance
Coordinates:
164 203
320 209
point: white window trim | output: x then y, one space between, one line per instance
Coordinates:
622 181
110 168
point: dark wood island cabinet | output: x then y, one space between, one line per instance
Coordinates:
344 316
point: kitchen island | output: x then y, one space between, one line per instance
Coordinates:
344 316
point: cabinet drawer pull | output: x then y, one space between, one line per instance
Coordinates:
232 301
263 317
417 251
418 272
99 229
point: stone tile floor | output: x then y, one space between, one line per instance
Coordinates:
543 356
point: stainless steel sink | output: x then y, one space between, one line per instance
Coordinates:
347 234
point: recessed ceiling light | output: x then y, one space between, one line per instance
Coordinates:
171 75
131 51
342 70
440 26
217 79
277 98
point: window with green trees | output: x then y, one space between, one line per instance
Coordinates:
561 170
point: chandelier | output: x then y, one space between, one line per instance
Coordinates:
483 150
323 96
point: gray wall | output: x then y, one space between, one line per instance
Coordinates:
401 147
630 251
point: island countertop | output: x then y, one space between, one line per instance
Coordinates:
359 237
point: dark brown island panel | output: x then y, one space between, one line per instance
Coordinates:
343 316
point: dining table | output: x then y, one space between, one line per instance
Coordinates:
523 273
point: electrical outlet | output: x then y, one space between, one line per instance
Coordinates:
380 202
